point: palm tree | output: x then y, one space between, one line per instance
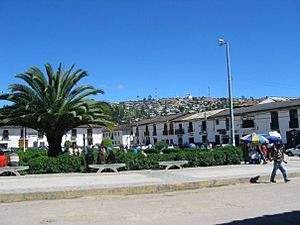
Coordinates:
53 104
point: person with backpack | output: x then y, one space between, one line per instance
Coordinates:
278 158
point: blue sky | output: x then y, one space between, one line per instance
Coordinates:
163 48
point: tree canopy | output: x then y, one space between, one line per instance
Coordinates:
54 103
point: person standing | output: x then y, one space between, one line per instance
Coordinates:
89 158
101 155
278 158
264 150
111 158
3 159
13 158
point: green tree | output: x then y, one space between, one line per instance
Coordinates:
161 145
53 104
106 142
67 144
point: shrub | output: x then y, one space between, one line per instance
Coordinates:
62 164
106 142
160 145
67 144
29 154
40 163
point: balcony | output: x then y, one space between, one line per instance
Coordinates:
179 131
171 132
154 133
190 129
137 134
165 132
146 133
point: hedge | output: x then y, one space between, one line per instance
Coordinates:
40 163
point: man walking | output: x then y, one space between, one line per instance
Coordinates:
278 158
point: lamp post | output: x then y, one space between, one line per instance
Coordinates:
226 43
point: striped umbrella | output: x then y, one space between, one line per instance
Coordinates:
255 138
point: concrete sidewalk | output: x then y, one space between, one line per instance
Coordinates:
58 186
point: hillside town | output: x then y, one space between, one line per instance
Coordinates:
134 111
203 124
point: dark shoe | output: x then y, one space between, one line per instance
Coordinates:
287 180
265 162
273 181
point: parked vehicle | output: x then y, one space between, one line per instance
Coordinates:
293 151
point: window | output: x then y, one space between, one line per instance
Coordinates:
5 135
293 123
146 133
227 124
203 126
190 127
165 131
191 140
73 133
180 126
204 138
154 140
40 135
22 133
248 124
171 131
217 139
89 132
274 121
217 122
154 130
180 141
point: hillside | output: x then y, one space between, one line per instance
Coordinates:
132 111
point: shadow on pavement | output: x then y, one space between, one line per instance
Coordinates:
288 218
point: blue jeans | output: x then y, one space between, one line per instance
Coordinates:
276 166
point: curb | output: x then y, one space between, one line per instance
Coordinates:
143 189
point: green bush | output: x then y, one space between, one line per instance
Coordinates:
62 164
106 142
29 154
38 161
161 145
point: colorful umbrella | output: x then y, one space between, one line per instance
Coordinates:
255 138
274 137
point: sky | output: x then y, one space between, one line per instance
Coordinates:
133 49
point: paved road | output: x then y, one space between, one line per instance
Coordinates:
262 203
58 186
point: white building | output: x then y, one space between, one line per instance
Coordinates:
120 135
13 136
213 126
156 129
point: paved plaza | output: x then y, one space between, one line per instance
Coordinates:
60 186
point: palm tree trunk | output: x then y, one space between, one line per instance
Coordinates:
54 145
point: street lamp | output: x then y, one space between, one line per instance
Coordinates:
226 43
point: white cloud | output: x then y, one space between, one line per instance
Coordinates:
120 86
